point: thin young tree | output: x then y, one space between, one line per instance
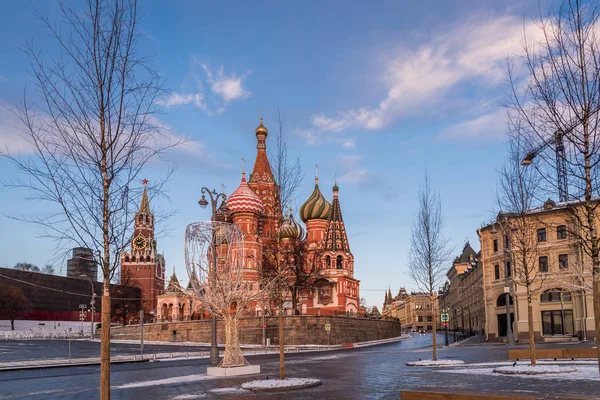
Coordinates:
12 303
557 103
429 249
516 196
92 131
288 172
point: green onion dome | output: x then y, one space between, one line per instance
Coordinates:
316 207
291 229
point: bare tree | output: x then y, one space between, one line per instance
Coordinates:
429 250
92 131
48 269
288 173
516 196
557 105
12 303
21 266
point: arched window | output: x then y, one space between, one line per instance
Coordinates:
327 262
501 300
126 258
554 295
339 261
148 258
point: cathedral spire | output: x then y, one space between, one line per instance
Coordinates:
262 169
335 236
145 204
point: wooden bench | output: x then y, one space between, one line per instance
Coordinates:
462 394
523 354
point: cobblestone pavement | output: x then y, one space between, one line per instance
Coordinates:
369 373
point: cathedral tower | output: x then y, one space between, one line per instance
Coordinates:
143 267
262 182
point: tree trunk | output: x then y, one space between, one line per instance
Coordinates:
531 334
597 314
294 300
281 353
105 344
434 329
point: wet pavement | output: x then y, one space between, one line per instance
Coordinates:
377 372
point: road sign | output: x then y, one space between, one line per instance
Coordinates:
445 317
327 327
445 324
82 306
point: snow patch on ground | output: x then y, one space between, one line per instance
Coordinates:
273 384
436 363
534 370
167 381
228 391
582 373
188 397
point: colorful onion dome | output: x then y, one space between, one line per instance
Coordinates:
245 200
316 207
291 229
261 130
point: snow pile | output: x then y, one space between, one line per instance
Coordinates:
534 370
166 381
277 384
436 363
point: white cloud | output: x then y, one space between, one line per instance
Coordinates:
10 135
490 126
207 89
178 99
229 88
418 80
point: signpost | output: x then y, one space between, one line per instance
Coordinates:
142 333
445 318
328 330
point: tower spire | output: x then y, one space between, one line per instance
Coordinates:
145 204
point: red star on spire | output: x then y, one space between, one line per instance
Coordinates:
145 181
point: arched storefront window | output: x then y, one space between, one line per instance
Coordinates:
501 300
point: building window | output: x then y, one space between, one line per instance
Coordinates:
508 269
497 271
541 235
501 300
339 262
563 261
495 245
327 262
506 242
555 295
561 232
429 318
420 318
554 324
543 264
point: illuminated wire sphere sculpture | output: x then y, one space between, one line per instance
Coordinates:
202 239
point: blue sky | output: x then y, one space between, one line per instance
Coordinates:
373 93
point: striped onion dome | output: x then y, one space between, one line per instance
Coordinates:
291 229
245 200
316 207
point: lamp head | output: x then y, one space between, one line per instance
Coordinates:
203 202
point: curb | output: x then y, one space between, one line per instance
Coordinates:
50 366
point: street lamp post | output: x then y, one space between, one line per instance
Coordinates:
92 303
214 199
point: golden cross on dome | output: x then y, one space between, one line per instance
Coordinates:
261 112
243 164
222 188
316 171
145 181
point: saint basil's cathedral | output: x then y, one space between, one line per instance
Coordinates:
255 208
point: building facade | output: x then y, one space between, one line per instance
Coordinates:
562 306
82 263
412 310
319 254
462 295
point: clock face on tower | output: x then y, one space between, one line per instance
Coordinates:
139 243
